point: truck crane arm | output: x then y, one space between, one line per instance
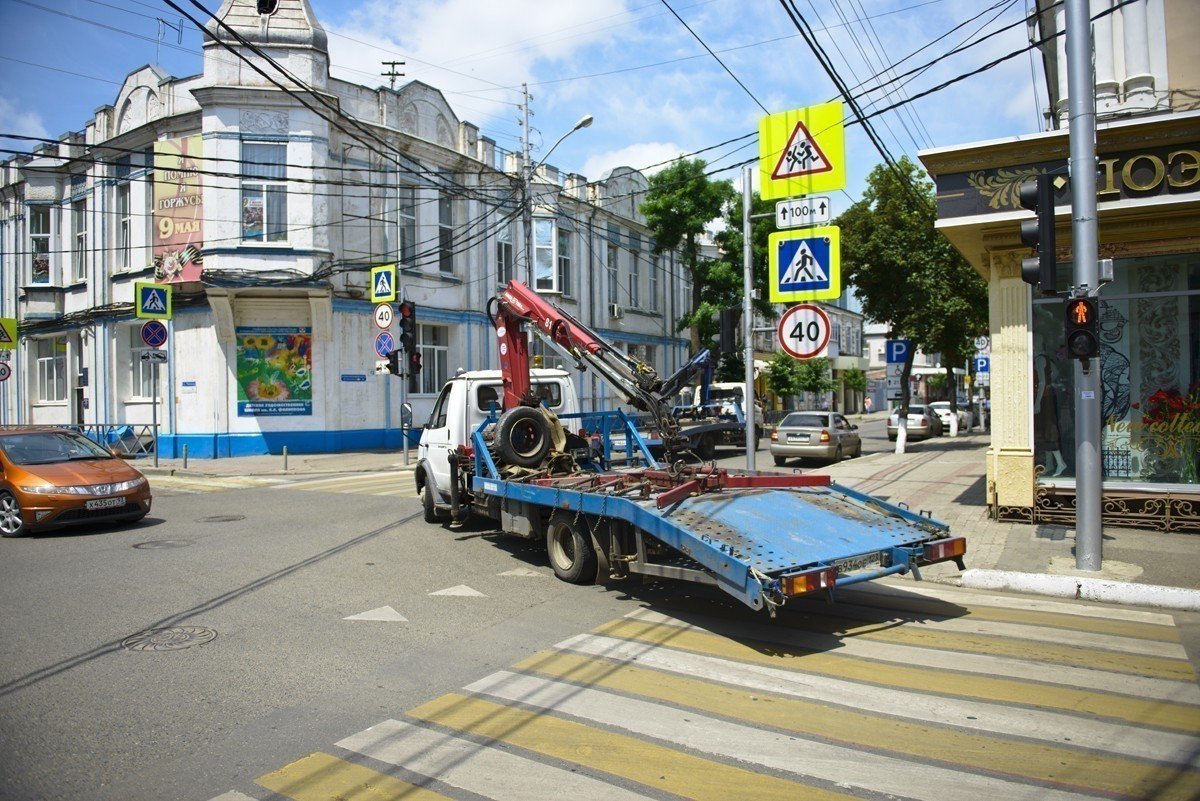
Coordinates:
518 307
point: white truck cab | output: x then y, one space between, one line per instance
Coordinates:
721 392
462 406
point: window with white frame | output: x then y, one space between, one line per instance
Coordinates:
544 270
51 368
635 272
504 254
407 212
264 192
141 373
445 231
610 265
433 343
79 246
39 244
123 250
564 261
652 299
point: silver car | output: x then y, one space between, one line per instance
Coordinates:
922 423
814 435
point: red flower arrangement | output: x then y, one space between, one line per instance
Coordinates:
1173 408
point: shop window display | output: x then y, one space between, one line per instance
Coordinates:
1149 376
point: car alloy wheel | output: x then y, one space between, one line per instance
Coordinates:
11 522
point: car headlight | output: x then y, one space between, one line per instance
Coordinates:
88 489
57 490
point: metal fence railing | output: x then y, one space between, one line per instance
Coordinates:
129 439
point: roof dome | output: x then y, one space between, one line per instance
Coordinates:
267 23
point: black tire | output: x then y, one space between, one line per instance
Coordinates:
570 549
837 455
857 450
706 448
780 461
12 523
427 501
523 437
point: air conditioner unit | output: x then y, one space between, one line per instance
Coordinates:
615 311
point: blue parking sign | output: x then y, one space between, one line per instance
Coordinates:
897 350
983 364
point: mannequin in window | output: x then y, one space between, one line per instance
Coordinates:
1046 432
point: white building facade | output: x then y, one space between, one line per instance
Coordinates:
265 198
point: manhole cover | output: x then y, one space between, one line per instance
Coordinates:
221 519
175 638
154 545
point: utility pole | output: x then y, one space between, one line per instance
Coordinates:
748 314
527 186
392 74
1085 245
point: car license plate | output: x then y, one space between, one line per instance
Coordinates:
797 437
105 503
854 563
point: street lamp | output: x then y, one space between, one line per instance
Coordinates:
527 205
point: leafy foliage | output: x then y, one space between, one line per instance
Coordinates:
814 375
782 377
855 379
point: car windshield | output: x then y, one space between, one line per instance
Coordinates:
48 447
718 395
804 421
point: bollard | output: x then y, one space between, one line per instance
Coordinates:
185 457
285 458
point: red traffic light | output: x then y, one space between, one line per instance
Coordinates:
1081 311
405 309
1083 330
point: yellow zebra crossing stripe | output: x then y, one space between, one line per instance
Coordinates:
321 777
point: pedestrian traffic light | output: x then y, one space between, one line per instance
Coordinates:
1083 330
393 362
407 311
1038 233
414 363
728 326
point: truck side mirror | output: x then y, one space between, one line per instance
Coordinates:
406 415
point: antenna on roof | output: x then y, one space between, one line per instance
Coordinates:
162 30
392 74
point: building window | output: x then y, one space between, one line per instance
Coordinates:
124 232
140 385
51 355
446 232
635 273
39 244
264 192
407 211
504 255
564 261
610 265
543 256
652 300
433 343
79 249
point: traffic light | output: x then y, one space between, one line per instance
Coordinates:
1038 233
393 362
407 311
1083 330
414 363
728 326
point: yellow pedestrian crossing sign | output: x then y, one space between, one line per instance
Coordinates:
8 333
805 264
802 151
383 283
152 301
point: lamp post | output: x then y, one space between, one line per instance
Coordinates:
527 205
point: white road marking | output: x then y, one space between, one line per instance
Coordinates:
384 613
461 590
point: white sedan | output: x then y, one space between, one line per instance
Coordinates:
942 410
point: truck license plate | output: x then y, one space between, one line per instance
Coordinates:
853 563
105 503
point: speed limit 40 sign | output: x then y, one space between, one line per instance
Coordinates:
804 331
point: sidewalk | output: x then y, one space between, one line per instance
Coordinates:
273 465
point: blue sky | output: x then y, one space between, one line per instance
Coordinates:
652 88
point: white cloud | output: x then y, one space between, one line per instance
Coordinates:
637 156
27 123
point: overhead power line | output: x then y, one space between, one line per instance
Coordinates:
716 57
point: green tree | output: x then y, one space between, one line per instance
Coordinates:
782 377
680 202
906 273
814 375
855 380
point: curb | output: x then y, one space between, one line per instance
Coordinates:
181 473
1084 589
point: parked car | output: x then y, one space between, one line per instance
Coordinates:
922 423
55 477
942 410
814 435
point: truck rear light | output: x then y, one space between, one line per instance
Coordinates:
824 435
943 550
821 578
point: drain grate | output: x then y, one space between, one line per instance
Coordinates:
154 545
175 638
221 519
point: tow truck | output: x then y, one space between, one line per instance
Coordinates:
606 515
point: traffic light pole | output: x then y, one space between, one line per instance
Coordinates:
1082 104
748 315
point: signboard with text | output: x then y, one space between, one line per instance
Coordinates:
178 209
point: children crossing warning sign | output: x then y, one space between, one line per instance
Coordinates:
802 151
805 265
8 333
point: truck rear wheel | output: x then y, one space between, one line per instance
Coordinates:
523 437
427 502
570 548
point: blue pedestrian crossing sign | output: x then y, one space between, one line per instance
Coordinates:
152 301
383 283
805 265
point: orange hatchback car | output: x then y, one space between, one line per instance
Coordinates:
55 477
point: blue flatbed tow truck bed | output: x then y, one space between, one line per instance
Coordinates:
761 537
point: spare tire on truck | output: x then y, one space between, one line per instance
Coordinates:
523 437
